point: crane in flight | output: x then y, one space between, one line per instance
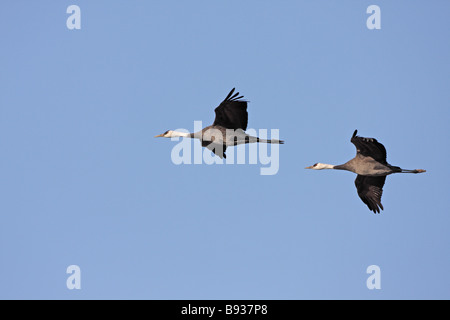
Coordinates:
371 168
228 128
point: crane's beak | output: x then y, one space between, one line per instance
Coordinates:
159 135
310 167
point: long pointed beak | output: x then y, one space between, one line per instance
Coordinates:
159 136
310 167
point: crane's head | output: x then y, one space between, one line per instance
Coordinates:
167 134
320 166
173 134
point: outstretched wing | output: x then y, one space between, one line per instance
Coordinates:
370 190
217 149
232 112
369 147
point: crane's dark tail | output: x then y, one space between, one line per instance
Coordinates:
274 141
396 169
413 171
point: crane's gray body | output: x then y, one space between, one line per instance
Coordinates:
367 166
226 137
371 168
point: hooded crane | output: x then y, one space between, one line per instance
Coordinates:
371 167
228 128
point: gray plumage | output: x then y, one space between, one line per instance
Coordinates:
371 168
228 128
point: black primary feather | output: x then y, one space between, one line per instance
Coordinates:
370 190
217 149
232 112
369 147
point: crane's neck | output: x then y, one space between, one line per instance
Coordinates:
175 134
339 167
327 166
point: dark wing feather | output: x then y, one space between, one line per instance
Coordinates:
232 112
217 149
370 190
369 147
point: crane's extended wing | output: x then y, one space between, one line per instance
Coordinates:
232 112
217 149
370 190
369 147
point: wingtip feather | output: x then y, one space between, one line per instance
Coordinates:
229 95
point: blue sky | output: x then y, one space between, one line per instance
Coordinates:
83 182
